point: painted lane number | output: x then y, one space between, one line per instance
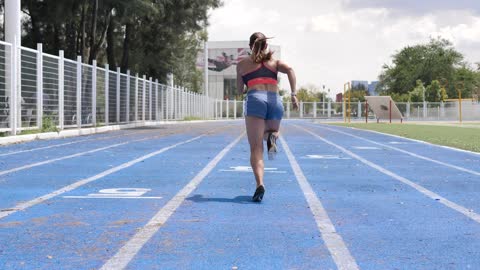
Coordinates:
116 193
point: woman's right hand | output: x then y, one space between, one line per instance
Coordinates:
295 102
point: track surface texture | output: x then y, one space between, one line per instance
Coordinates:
179 197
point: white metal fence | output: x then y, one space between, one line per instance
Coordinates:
36 87
428 111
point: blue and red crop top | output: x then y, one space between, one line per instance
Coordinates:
261 75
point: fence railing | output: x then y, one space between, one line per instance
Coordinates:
36 87
415 111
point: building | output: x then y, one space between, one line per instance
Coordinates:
222 59
365 85
359 85
339 97
372 88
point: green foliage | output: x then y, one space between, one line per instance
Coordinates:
470 82
416 95
357 95
433 92
146 36
48 125
400 97
426 62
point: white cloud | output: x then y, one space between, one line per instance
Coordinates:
328 43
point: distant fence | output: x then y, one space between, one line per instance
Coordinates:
415 111
36 87
41 87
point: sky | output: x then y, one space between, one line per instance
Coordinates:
336 41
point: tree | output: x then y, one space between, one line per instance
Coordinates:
425 62
146 36
433 92
417 94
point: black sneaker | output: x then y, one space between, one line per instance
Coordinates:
258 196
271 146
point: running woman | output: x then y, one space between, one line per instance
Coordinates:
263 106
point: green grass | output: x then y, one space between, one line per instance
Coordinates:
453 136
191 118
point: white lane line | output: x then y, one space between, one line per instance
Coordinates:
25 205
29 166
68 143
110 197
408 153
334 242
463 210
133 246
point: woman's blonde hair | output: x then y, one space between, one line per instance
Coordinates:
258 44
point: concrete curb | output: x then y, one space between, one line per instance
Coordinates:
90 131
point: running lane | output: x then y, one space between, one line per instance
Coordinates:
459 158
28 184
218 227
81 229
385 223
458 186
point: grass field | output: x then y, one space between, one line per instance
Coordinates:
467 138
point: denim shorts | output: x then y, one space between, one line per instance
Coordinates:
263 104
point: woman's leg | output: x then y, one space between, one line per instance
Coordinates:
255 129
272 126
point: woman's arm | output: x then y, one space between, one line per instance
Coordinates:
292 79
240 85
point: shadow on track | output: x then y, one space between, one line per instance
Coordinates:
239 199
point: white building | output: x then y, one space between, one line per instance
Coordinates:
222 59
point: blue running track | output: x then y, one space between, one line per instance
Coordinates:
179 197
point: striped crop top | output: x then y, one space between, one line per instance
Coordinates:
261 75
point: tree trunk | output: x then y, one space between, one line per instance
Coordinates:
93 32
126 47
81 52
37 36
111 44
57 43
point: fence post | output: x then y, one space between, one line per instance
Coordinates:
128 97
162 105
150 99
424 110
61 89
107 113
408 110
144 90
117 80
79 91
136 97
227 109
366 111
14 87
221 109
359 110
39 85
288 110
329 108
315 109
167 98
442 109
94 93
235 109
301 109
156 100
